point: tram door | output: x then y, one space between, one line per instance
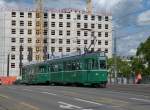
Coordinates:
89 68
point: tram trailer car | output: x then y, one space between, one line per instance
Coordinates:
87 69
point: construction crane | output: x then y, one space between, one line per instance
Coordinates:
89 7
39 46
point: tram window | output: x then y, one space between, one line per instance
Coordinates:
102 64
94 64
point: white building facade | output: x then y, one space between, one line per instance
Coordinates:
65 33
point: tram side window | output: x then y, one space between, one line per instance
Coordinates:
42 69
94 64
102 64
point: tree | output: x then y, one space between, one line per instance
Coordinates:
143 53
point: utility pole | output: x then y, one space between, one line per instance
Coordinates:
20 65
115 58
8 64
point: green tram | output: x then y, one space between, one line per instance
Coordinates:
86 69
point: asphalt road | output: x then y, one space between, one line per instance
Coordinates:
70 98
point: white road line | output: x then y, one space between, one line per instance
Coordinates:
88 101
27 90
68 106
48 93
142 100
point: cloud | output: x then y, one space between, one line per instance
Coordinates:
144 18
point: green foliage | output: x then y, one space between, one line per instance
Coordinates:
143 53
123 67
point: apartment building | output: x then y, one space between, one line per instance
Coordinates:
64 33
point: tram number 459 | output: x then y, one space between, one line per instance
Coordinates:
68 106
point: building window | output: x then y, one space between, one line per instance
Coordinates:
37 57
60 24
106 50
92 26
60 49
12 65
45 15
37 15
21 48
52 49
12 57
85 33
37 49
99 34
13 23
78 41
92 49
68 16
37 32
78 25
21 23
92 41
13 31
29 31
29 15
92 17
68 33
60 32
52 41
85 17
45 32
21 40
106 42
99 49
13 40
85 41
106 18
13 14
68 24
99 18
52 32
60 41
93 34
37 23
99 26
68 41
60 16
106 34
68 49
13 48
78 49
53 16
106 26
78 33
21 14
85 25
52 24
21 31
29 23
29 40
78 17
45 24
99 42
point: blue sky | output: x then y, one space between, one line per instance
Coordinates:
131 18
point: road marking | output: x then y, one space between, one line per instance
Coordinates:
88 101
143 100
68 106
27 90
29 106
4 96
48 93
